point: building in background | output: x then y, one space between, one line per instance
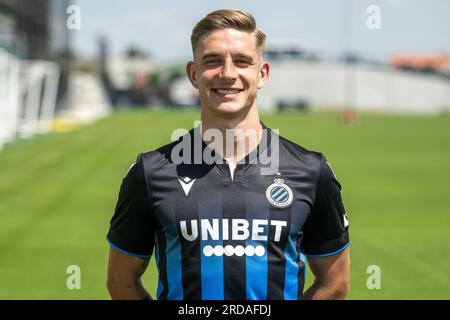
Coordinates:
24 28
318 81
36 78
36 30
360 86
27 30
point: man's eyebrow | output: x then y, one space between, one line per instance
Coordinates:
216 55
245 56
209 55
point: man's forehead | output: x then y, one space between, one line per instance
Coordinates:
225 40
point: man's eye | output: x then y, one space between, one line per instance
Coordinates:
212 62
242 62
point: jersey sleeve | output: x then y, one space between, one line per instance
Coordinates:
326 230
132 226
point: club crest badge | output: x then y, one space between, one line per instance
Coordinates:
279 194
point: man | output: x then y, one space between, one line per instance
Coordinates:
227 229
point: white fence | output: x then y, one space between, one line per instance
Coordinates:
28 91
87 99
356 86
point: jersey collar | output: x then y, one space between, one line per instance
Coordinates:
251 158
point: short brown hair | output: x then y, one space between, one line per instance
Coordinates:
225 19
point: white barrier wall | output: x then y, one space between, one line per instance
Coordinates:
9 97
87 100
38 87
361 87
28 92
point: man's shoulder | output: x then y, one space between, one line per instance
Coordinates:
160 156
302 154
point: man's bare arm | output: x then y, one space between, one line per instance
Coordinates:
332 277
124 276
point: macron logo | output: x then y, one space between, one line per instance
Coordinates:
186 184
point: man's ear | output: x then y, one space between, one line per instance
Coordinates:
264 71
190 72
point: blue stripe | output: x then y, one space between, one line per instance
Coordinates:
212 266
293 272
328 254
212 274
292 269
256 273
126 252
256 266
173 266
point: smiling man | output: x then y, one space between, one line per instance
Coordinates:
227 229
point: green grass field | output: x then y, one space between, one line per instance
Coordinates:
58 192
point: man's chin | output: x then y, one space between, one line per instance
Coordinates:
230 110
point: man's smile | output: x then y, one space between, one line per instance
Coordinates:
227 92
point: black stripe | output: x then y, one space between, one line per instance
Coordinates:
186 209
276 259
162 266
234 267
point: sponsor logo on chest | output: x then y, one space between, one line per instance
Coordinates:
232 229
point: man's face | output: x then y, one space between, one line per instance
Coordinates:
228 70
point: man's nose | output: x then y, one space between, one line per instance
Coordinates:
229 71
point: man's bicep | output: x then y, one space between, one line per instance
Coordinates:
123 267
331 268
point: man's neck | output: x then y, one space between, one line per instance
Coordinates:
242 132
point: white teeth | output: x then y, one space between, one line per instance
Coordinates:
221 91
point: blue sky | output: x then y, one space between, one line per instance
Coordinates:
163 28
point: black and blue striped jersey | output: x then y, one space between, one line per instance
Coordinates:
214 237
